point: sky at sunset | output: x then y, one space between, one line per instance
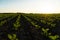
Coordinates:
30 6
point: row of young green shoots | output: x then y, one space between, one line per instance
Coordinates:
17 23
47 21
4 21
44 30
4 16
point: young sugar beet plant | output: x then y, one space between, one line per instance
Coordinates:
45 31
2 22
55 37
12 37
17 23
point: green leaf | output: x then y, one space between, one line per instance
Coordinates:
14 36
10 36
54 37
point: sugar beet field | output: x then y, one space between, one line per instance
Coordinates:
18 26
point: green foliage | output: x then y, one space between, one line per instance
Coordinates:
45 31
43 21
17 23
2 22
53 37
48 21
53 25
12 37
37 26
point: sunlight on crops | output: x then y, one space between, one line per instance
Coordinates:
21 26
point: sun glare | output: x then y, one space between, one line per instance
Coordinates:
41 8
32 6
47 8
